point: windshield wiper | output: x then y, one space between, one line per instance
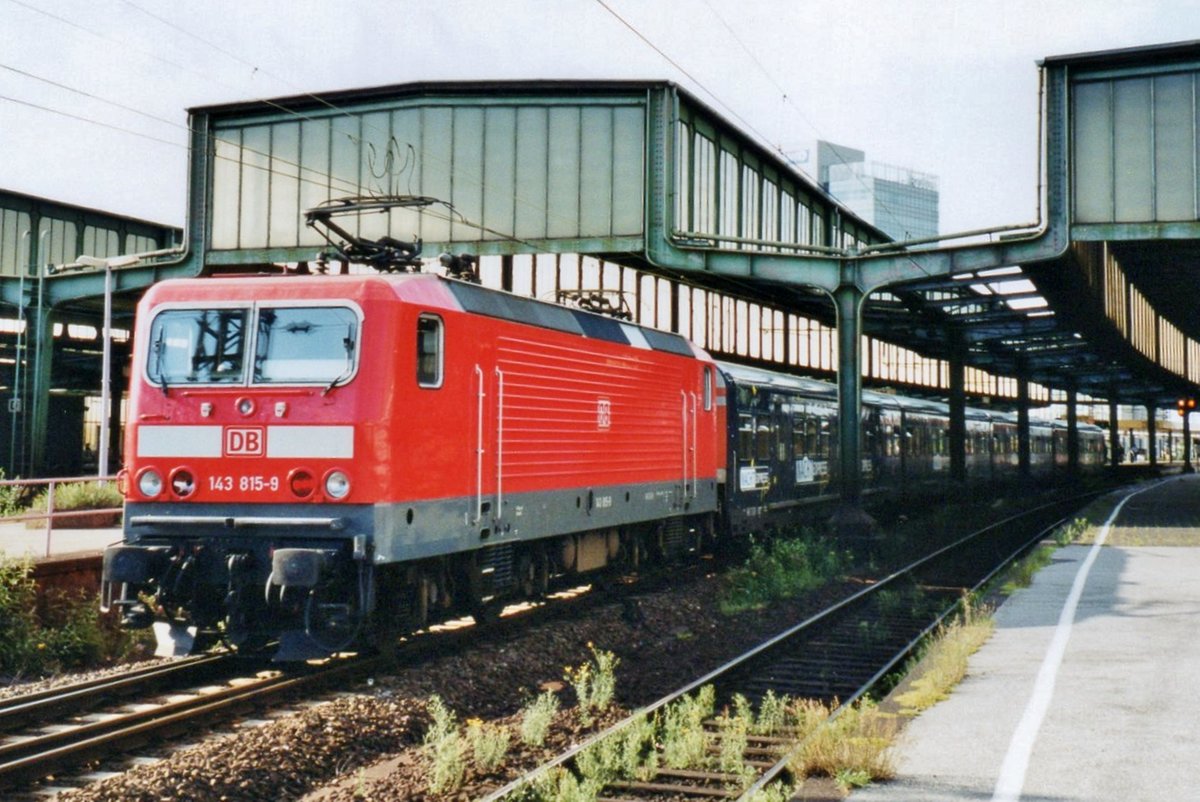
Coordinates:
159 348
338 381
348 343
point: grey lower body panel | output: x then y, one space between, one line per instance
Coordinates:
403 531
430 529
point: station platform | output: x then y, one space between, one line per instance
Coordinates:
1087 690
17 541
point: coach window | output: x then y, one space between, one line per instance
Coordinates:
708 388
764 438
429 351
745 438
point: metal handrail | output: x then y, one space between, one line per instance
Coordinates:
49 515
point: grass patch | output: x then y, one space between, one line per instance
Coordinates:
81 496
1021 574
944 663
783 568
852 748
1069 533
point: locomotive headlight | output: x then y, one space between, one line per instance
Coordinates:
183 482
337 485
150 483
301 482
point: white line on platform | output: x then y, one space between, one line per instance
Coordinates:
1016 761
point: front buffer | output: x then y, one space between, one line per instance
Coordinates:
247 576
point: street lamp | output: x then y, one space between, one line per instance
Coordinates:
106 367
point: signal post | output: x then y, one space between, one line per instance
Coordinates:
1185 406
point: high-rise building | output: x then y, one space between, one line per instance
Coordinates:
901 202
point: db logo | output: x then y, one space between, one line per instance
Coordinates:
245 441
603 413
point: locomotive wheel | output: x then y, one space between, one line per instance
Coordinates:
487 612
333 623
533 569
485 609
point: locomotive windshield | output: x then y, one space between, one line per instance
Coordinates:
305 344
197 346
292 345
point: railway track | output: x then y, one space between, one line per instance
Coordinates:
99 720
836 656
59 730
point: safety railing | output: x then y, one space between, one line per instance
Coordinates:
53 519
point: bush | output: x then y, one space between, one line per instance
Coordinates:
447 748
489 744
81 496
783 569
18 615
12 497
69 634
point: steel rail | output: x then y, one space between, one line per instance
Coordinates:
809 623
30 759
782 764
16 711
24 760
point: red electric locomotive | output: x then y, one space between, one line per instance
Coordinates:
311 459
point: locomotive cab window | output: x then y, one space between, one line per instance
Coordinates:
305 345
288 344
197 346
429 351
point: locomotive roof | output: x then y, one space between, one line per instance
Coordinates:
451 294
507 306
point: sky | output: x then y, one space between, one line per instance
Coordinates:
94 93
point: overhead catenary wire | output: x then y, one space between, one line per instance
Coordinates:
716 98
257 69
305 174
90 120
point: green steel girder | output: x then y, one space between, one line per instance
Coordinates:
682 228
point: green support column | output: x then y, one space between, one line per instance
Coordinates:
958 410
1023 455
40 326
1072 432
1151 434
1114 434
849 300
1187 444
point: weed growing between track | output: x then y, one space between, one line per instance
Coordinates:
782 568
